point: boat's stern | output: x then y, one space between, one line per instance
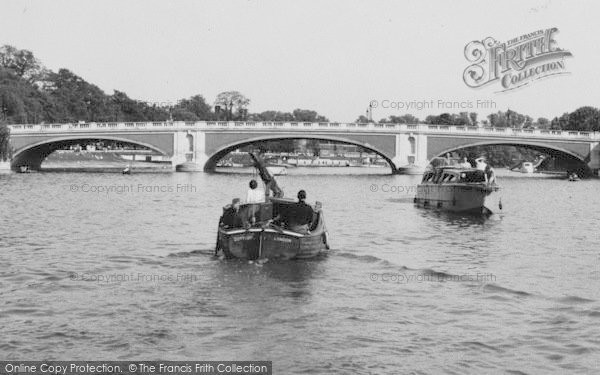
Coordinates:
240 243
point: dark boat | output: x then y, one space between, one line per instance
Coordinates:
267 238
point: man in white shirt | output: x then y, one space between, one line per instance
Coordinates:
255 195
481 164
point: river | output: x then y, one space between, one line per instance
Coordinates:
113 267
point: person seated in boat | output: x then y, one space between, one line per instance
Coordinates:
301 215
231 215
437 176
480 163
447 160
490 175
465 163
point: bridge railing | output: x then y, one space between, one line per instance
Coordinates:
299 126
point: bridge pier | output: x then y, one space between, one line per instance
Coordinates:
411 148
594 163
189 151
4 166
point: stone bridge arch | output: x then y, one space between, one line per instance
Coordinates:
576 155
386 149
32 153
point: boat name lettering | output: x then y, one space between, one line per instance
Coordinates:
243 237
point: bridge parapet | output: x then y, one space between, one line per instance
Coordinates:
300 127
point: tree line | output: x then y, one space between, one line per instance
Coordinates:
31 93
585 118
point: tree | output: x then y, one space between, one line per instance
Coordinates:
445 119
192 109
78 100
431 119
362 119
404 119
584 118
563 121
305 115
543 123
22 62
273 116
4 145
229 101
473 117
463 119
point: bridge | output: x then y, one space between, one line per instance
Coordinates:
204 143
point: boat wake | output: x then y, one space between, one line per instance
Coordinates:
186 254
362 258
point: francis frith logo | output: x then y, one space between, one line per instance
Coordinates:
514 63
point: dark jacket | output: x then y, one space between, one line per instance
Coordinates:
302 214
231 218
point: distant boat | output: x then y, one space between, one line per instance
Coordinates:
127 170
319 162
277 170
527 167
410 169
455 189
24 169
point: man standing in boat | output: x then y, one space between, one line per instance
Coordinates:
254 197
480 163
254 194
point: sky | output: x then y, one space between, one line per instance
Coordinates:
334 57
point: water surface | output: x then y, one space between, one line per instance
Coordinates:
129 274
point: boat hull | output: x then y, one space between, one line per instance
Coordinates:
272 243
471 198
410 170
527 169
256 243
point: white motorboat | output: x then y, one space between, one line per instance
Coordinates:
277 170
455 189
527 167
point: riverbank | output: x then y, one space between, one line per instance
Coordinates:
99 162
